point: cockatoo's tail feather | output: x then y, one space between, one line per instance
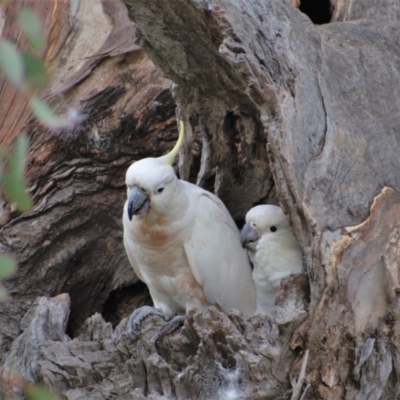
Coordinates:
169 158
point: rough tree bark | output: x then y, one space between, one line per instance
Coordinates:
72 240
264 93
327 101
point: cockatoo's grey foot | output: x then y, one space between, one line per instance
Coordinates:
169 328
138 316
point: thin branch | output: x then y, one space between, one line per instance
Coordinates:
305 391
297 387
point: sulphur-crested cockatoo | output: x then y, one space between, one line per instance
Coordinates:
273 250
182 242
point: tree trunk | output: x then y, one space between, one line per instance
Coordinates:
72 239
326 100
280 110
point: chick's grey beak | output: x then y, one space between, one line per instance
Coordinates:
138 202
249 237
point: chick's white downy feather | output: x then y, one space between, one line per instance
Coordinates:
273 250
182 242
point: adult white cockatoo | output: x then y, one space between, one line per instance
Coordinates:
273 250
182 242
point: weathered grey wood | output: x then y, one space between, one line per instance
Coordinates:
214 355
327 101
268 95
45 320
71 241
381 11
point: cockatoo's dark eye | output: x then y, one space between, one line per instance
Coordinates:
273 228
160 190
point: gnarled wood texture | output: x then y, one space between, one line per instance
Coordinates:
327 101
71 241
268 95
213 356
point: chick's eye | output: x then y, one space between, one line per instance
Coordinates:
160 190
273 228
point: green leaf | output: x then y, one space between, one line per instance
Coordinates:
7 269
21 152
7 266
29 21
11 62
35 71
46 115
39 392
14 181
3 293
31 25
37 41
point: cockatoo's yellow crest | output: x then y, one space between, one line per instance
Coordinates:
170 157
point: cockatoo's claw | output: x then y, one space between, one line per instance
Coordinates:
169 328
138 316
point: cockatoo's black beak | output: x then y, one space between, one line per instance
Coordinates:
138 202
249 237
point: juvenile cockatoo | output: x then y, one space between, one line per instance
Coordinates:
273 250
182 242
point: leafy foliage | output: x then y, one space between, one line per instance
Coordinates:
32 27
13 182
47 117
35 71
28 73
39 392
11 62
7 269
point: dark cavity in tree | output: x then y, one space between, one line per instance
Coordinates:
319 11
124 300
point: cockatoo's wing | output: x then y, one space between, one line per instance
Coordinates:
216 258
